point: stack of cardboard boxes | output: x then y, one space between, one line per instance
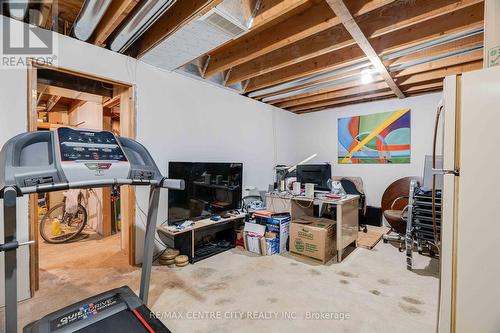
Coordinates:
268 234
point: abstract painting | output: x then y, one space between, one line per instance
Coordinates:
375 138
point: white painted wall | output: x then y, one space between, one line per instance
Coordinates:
178 118
319 135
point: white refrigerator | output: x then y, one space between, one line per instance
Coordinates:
470 254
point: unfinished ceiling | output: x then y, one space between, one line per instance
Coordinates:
299 55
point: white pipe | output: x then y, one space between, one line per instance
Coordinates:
89 17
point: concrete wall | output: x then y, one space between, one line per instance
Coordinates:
319 135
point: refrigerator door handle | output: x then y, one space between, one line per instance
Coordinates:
455 172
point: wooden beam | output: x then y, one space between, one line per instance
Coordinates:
112 102
367 88
335 77
330 61
271 9
323 42
403 14
441 73
345 16
327 41
425 87
76 104
465 19
68 93
323 106
52 102
440 49
117 11
316 19
458 21
442 63
340 86
177 16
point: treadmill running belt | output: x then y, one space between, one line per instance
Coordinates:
123 321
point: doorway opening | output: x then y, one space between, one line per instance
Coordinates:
80 230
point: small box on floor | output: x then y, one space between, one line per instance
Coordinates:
314 238
279 225
254 237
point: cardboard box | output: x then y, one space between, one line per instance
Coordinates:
254 237
314 238
278 224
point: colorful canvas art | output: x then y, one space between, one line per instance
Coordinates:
376 138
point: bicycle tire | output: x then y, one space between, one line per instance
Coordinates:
46 218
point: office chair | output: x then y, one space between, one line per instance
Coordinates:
395 209
350 188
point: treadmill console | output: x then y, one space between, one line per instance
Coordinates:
87 154
78 145
75 158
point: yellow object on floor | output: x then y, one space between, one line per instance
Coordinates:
56 227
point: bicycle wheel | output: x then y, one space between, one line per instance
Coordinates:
57 226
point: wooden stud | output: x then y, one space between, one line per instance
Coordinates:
345 16
272 9
76 104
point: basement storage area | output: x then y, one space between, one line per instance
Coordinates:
249 166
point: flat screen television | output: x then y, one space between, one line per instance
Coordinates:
211 188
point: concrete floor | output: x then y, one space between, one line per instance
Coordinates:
238 292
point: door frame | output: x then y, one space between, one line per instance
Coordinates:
128 127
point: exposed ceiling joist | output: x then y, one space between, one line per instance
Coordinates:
315 19
272 9
68 93
384 94
341 58
442 63
440 49
451 23
334 87
51 103
323 42
75 105
441 73
117 12
177 16
350 24
335 94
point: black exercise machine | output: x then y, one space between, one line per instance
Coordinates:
40 162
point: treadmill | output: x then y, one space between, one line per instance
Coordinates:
68 158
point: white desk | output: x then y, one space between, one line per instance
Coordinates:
346 217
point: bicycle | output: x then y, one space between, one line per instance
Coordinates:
63 223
